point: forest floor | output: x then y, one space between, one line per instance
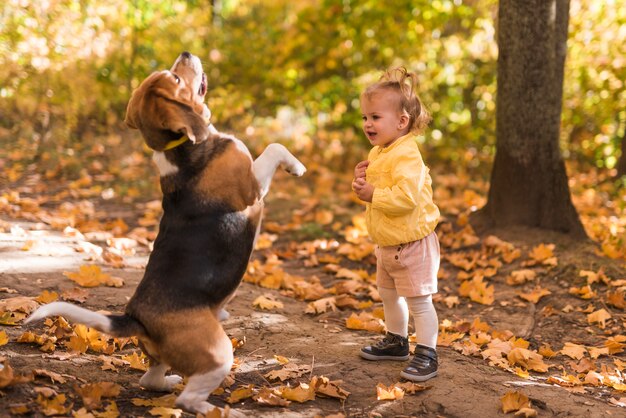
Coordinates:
583 376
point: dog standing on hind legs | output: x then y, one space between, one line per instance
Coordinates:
212 206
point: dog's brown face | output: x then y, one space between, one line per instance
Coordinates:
170 104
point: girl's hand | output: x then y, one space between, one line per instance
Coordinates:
363 189
359 170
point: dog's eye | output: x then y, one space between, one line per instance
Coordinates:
177 78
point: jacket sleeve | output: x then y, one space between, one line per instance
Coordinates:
408 177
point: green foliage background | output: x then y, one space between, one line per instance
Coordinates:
288 71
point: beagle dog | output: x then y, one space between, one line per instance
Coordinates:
212 205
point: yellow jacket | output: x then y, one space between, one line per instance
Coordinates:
402 208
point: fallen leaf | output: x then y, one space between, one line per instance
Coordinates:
365 321
53 406
391 393
4 338
599 316
514 401
163 412
301 393
326 387
574 351
269 396
18 304
536 294
47 297
241 393
92 276
267 302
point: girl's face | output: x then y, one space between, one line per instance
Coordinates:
383 122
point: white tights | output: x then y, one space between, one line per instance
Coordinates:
397 310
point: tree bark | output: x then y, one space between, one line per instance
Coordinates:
621 163
529 184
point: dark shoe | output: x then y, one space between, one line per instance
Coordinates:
391 347
423 366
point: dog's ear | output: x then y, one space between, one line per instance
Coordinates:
161 116
178 116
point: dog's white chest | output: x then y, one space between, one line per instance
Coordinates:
163 164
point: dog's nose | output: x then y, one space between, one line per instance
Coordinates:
186 55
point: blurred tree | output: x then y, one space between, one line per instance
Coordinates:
621 164
528 182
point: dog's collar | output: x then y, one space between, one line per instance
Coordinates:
185 138
174 144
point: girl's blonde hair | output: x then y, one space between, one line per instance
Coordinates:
405 83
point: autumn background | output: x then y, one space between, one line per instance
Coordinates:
79 205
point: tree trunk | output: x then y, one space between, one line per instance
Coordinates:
621 164
528 182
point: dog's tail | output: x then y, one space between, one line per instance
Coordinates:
114 325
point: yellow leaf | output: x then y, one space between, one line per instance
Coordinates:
92 276
4 338
269 396
6 376
574 351
527 359
241 393
542 252
616 299
477 290
526 413
163 412
53 406
410 387
535 295
583 292
167 401
329 388
289 371
11 318
595 352
92 393
281 359
265 241
546 351
138 362
365 321
301 393
324 217
267 302
391 393
514 401
521 276
599 316
321 305
18 304
446 338
47 297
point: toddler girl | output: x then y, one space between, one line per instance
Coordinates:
401 218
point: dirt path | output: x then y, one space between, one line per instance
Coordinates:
466 386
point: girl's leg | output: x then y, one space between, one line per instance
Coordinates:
424 364
396 311
425 317
395 344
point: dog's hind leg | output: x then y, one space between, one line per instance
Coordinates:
265 165
155 379
200 386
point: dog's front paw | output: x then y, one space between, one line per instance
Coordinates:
296 169
172 381
160 383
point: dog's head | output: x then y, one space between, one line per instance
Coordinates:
170 104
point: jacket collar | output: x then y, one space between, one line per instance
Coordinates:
396 143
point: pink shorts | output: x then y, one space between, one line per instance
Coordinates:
410 268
